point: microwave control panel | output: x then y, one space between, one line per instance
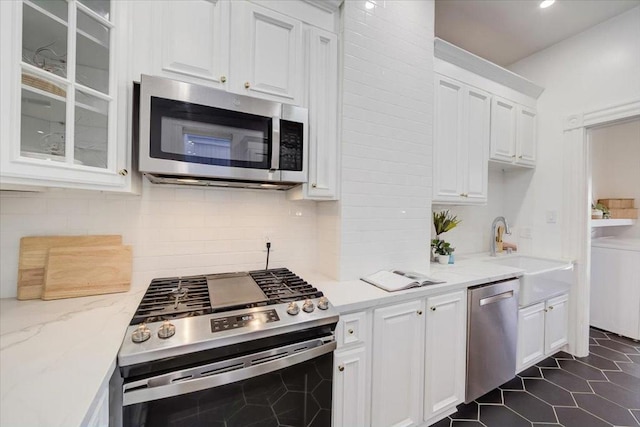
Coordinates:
291 140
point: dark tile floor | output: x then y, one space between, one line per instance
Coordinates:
602 389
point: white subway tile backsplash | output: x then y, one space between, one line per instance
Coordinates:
173 230
386 137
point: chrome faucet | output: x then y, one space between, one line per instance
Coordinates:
494 225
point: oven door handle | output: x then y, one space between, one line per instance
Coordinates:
221 373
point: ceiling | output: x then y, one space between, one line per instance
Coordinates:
505 31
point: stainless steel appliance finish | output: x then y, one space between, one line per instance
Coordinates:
250 348
278 145
492 327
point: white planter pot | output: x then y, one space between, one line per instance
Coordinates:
443 259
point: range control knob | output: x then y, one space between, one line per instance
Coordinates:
323 303
293 308
308 306
167 330
141 334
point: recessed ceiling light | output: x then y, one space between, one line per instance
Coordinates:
369 4
546 3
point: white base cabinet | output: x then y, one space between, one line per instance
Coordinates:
445 354
398 354
351 371
542 330
350 387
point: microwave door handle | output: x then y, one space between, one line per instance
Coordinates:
275 143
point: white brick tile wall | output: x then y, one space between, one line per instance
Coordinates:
173 230
385 209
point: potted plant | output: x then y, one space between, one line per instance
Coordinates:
443 221
443 250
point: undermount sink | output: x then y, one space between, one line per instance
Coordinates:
543 278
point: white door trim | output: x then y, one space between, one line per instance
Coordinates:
576 212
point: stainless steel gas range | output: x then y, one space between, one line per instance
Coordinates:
236 349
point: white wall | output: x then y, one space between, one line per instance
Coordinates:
385 210
596 68
173 230
615 173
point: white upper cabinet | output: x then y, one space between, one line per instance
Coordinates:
193 40
64 103
266 54
323 115
526 135
513 133
461 142
503 130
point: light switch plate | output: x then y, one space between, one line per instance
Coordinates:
552 217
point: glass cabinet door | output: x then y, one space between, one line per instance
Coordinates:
67 85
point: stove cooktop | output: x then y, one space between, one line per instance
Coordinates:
177 297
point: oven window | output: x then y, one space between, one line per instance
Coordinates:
199 134
299 395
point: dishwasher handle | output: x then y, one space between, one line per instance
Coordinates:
496 298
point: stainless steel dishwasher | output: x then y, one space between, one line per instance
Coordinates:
492 331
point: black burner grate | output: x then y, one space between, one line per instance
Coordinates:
281 285
176 297
172 298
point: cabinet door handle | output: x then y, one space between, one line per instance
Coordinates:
314 185
350 331
433 308
513 156
247 85
419 312
123 172
223 79
341 368
550 307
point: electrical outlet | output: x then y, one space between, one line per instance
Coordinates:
552 217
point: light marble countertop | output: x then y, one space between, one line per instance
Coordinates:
55 355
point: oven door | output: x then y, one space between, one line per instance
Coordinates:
289 385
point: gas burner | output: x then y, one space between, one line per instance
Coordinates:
177 297
173 298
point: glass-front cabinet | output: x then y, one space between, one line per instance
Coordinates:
69 128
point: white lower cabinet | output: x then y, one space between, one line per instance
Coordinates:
542 330
445 354
398 355
402 364
351 371
350 387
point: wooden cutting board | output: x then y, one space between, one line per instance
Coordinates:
81 271
33 258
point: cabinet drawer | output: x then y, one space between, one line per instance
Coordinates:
351 329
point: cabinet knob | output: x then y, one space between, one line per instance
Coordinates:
341 368
550 307
545 310
314 185
513 156
419 312
123 172
519 157
223 79
350 331
433 308
247 85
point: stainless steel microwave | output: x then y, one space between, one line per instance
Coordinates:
191 134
